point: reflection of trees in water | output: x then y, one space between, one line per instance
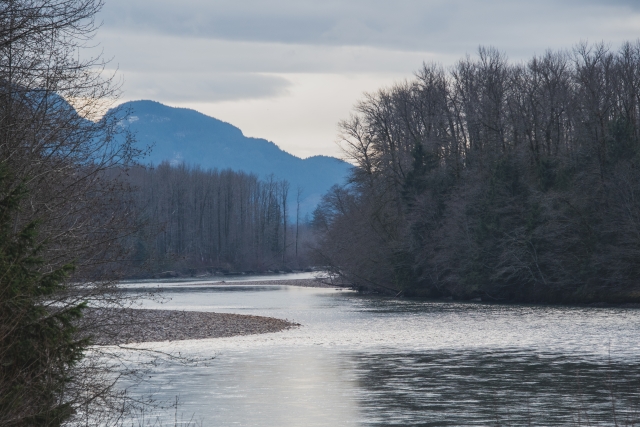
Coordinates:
495 388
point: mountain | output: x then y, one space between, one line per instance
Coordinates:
183 135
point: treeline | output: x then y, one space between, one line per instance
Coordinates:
199 221
495 180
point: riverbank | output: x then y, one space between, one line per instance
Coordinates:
126 325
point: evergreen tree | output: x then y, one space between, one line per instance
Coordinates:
38 343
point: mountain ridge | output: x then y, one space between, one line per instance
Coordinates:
182 135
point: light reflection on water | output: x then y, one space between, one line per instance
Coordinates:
212 279
361 360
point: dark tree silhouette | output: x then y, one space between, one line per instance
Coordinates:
495 180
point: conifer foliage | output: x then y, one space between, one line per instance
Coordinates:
64 212
38 344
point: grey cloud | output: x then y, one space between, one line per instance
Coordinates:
148 53
435 25
632 4
202 87
207 51
330 22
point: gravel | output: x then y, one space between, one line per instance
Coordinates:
117 326
126 325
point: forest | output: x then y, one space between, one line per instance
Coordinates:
194 221
495 180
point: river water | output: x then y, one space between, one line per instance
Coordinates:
375 361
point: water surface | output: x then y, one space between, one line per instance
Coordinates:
365 360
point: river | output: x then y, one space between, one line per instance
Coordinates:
361 360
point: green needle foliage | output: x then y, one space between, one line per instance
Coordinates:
38 342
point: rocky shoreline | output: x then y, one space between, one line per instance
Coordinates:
127 325
117 326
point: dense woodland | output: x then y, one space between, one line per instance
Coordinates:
196 221
495 180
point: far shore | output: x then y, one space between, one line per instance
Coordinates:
305 283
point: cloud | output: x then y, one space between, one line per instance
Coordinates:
421 25
303 122
153 53
202 86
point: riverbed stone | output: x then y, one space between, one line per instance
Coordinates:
127 325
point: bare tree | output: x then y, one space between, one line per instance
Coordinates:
299 193
494 180
68 160
284 193
208 221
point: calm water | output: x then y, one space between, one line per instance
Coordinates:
373 361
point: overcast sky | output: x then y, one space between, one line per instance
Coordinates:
289 70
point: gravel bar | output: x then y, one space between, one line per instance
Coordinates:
117 326
126 325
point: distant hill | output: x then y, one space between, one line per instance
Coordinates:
183 135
